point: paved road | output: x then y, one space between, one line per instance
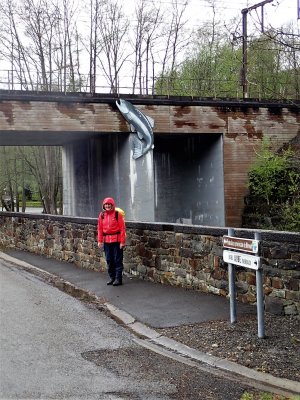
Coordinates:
34 210
53 346
43 335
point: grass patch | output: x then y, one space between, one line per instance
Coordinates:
266 396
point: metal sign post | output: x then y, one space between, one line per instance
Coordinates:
260 298
231 279
240 256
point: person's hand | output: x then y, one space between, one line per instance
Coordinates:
122 246
100 245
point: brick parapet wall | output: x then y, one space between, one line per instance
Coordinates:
179 255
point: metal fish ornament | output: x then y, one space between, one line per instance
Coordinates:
140 124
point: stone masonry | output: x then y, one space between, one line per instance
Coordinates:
173 254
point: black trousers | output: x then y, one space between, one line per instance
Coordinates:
114 260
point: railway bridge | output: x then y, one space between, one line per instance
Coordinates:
196 173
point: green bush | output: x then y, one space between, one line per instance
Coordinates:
274 189
290 217
33 204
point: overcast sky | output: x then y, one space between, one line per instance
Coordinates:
276 13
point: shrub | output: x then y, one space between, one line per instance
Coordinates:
274 189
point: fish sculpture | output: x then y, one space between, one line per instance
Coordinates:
140 124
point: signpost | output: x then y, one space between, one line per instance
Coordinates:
241 257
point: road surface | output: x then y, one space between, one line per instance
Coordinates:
53 346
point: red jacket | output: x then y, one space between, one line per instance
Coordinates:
110 229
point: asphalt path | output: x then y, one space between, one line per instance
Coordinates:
159 306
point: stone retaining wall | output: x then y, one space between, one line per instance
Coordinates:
179 255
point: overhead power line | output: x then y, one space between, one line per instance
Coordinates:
245 50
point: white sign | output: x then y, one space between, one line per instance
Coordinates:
244 260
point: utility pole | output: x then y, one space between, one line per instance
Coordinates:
245 38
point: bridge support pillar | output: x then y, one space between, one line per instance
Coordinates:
139 199
103 166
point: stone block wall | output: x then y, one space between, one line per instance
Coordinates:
178 255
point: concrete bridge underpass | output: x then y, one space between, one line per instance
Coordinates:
196 173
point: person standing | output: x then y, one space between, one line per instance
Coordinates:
111 237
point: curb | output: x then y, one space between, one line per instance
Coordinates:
195 355
153 337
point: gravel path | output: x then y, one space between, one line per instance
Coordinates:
277 354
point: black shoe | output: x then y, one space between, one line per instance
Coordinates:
110 282
117 283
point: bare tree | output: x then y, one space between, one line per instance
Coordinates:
13 175
38 39
70 33
8 178
177 39
93 41
146 36
24 164
112 46
287 39
39 26
12 48
44 163
158 39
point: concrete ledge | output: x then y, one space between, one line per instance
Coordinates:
121 315
268 235
144 330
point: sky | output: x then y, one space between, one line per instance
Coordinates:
276 13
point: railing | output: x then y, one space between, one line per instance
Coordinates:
11 81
